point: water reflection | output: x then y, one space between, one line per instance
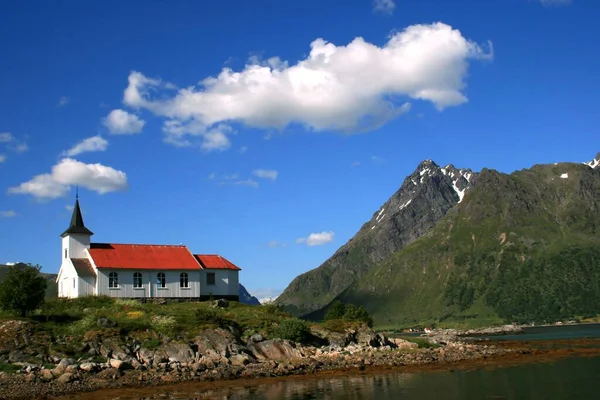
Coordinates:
573 378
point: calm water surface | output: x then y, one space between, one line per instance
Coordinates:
570 378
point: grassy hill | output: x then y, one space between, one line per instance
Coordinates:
524 247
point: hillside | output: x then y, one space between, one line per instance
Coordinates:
423 199
524 246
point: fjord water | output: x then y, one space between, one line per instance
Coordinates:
568 378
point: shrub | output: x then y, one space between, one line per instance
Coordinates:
163 324
348 312
84 325
9 368
131 303
23 289
293 329
151 344
212 317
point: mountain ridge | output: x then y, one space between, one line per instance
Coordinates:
514 198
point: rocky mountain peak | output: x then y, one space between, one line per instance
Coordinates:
595 163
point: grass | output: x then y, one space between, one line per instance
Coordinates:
149 323
9 368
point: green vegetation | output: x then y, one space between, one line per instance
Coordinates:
423 343
519 248
10 368
153 324
293 329
22 289
348 312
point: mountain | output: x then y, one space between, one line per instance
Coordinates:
424 198
52 288
522 246
246 297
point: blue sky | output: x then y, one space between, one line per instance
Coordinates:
243 127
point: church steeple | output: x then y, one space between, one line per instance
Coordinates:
77 225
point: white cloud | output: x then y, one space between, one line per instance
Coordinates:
69 172
247 182
384 6
266 174
556 2
352 88
182 134
7 214
20 147
243 149
274 243
10 263
63 101
94 143
2 158
69 207
6 137
120 122
317 239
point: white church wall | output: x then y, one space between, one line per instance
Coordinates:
150 287
226 282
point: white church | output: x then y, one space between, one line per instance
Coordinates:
140 271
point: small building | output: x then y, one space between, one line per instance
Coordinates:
140 271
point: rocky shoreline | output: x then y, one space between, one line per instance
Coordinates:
214 355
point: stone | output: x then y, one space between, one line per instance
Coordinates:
65 378
274 349
87 367
114 363
220 303
256 338
240 360
218 341
71 369
110 373
104 322
178 352
46 375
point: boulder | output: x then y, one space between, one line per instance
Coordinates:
88 367
240 360
46 375
109 373
257 337
403 344
65 378
178 352
220 303
104 322
274 349
212 342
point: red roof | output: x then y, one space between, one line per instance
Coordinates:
215 261
142 256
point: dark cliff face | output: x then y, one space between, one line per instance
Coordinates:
424 198
246 297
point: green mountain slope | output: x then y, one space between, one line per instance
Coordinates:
524 246
423 199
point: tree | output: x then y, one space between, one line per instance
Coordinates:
23 289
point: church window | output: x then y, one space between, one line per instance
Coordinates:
113 280
183 280
65 253
161 280
137 280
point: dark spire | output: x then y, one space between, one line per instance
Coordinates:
77 225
